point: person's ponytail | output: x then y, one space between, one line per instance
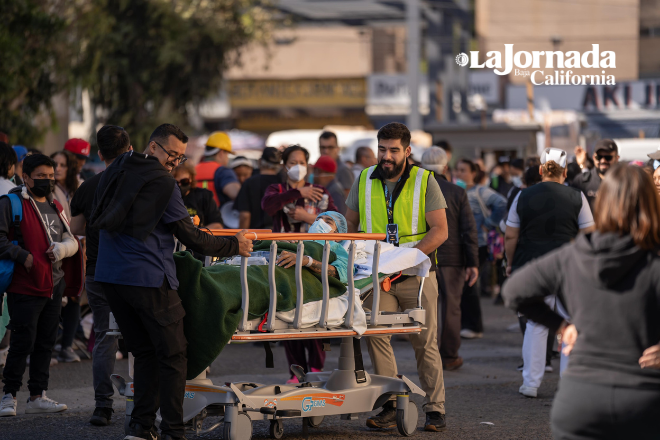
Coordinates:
552 169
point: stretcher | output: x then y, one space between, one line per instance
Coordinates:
343 392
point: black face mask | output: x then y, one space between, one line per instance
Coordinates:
42 187
184 185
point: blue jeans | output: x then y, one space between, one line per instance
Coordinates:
105 347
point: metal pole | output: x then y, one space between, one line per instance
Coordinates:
414 120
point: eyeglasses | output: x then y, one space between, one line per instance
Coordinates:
183 182
607 157
173 157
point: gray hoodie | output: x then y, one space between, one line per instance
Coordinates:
611 290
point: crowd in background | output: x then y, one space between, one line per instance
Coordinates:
284 192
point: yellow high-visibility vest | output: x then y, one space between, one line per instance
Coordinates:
409 208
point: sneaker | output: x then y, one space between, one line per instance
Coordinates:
385 419
43 404
68 355
53 361
435 422
528 391
292 380
548 368
466 333
136 431
453 365
101 416
8 405
521 367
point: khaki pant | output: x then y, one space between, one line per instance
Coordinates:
403 296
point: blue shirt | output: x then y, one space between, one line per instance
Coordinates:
123 259
223 176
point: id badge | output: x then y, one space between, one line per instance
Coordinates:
393 233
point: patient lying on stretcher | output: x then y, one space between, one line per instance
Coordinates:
330 222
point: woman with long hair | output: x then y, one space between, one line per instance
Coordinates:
66 179
609 281
66 184
542 218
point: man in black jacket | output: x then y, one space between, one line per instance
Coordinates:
606 154
457 258
139 210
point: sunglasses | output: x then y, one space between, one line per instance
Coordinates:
183 182
173 157
607 157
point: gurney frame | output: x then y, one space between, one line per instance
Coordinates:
345 391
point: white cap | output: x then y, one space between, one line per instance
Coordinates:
555 154
240 160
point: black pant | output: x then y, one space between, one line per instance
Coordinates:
451 281
583 410
470 306
151 322
33 321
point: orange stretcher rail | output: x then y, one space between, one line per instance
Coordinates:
228 232
255 234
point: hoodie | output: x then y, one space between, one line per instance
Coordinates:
611 289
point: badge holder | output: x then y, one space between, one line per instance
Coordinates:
393 234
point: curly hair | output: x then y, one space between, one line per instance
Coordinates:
71 182
552 169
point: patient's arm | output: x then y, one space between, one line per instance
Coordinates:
317 266
288 259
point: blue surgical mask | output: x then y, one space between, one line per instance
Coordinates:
461 183
320 227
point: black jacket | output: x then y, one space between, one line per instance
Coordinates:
611 290
461 247
588 183
132 195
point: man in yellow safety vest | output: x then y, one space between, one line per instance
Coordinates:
406 203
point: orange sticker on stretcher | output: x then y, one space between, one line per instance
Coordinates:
330 399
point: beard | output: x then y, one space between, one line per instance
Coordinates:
394 171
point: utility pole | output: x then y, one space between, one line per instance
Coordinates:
414 120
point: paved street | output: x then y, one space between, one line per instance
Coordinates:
482 397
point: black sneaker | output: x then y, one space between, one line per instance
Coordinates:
136 431
101 416
435 422
385 419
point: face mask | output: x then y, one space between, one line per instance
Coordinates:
184 185
320 227
42 187
297 172
517 181
461 183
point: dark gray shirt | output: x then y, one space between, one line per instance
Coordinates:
55 229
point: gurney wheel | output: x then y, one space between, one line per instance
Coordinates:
276 429
315 421
406 419
240 429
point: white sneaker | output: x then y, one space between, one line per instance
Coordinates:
528 391
466 333
8 406
43 405
549 369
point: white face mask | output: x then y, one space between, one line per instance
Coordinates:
517 181
320 227
297 172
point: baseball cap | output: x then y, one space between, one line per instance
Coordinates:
219 140
656 155
239 161
79 147
606 145
327 164
20 151
555 154
271 155
504 159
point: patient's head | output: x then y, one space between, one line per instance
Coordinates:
329 222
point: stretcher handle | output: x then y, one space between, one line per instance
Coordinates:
266 234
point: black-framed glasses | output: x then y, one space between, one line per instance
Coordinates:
172 157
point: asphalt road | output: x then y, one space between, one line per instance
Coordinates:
482 400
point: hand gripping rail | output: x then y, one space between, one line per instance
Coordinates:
378 322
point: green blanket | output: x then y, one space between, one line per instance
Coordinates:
212 298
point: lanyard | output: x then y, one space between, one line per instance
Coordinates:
388 201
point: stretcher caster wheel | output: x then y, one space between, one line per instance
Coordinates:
406 419
315 421
239 429
276 430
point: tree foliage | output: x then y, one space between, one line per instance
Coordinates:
144 62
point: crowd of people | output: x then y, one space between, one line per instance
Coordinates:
570 243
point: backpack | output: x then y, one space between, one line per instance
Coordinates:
7 266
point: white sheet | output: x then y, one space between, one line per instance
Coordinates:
392 260
336 311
